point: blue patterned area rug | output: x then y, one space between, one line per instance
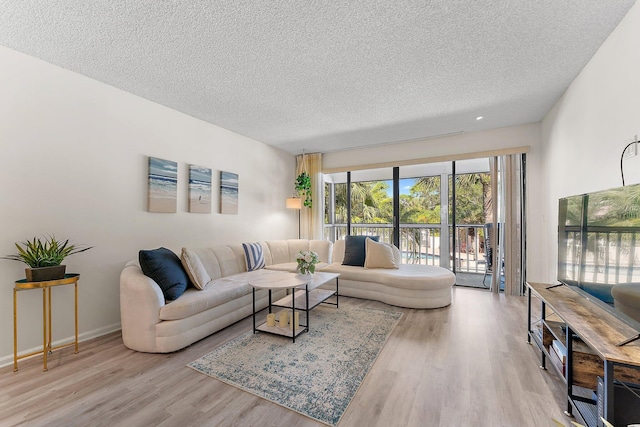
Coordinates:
319 374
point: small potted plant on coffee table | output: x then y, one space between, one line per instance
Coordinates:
44 257
307 261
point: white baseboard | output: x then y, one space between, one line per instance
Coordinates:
85 336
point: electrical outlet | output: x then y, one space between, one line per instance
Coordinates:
632 149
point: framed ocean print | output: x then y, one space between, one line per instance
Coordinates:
228 193
199 189
162 193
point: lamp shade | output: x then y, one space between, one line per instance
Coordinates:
294 203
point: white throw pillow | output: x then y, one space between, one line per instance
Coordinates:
379 255
195 269
397 256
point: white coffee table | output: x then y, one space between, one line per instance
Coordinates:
304 296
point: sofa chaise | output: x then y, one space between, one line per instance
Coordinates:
410 285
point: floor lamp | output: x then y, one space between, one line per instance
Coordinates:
295 203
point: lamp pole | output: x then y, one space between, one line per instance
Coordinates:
295 203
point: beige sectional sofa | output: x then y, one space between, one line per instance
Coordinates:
151 324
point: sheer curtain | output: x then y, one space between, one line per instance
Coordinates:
311 219
507 178
496 255
514 248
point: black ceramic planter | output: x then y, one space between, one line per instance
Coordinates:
42 274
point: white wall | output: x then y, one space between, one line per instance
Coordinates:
582 139
73 162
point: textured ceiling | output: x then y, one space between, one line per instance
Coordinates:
325 75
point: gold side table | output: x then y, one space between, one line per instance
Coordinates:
21 285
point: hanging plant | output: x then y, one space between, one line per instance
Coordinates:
303 187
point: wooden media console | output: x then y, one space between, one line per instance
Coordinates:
592 338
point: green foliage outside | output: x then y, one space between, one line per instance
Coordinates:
473 199
371 204
615 208
618 207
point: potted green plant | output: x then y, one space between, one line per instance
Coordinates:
307 261
44 257
303 187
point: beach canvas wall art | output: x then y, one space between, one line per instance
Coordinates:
199 189
163 186
228 193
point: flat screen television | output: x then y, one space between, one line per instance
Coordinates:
599 243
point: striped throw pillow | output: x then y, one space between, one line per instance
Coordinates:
253 254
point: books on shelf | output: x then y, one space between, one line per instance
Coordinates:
553 357
558 356
538 332
560 350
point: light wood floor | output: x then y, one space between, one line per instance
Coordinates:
464 365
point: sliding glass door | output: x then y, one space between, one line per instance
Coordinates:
442 214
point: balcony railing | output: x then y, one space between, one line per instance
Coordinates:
420 243
610 256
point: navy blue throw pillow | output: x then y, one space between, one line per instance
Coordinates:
354 249
165 268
